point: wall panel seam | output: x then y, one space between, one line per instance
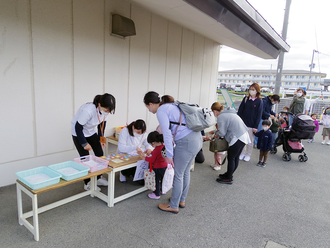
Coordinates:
32 83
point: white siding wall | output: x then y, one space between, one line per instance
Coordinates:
57 55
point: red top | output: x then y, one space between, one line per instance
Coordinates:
156 158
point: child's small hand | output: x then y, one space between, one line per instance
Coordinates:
142 156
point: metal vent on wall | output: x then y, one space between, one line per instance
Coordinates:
122 26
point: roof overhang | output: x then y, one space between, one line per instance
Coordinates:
234 23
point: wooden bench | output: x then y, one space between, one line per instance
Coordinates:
34 229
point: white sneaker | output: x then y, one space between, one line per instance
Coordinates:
217 168
102 181
88 186
122 178
241 157
247 158
213 165
323 142
328 143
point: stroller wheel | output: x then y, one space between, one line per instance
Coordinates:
305 158
285 157
275 150
301 158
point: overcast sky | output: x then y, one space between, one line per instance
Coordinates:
308 30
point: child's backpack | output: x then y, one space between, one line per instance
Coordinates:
197 118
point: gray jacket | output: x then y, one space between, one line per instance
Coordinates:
230 125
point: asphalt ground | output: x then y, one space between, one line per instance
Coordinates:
285 204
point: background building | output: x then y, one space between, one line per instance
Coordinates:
267 78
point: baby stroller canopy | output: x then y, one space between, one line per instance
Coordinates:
303 127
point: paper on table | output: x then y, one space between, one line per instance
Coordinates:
37 178
68 171
141 166
117 160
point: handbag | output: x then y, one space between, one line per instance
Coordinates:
218 145
168 179
150 178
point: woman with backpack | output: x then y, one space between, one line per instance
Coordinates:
187 144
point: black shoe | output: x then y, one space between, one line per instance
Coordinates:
224 180
224 176
259 163
263 164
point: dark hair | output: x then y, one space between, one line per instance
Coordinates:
106 101
155 137
286 107
324 112
153 97
257 87
266 122
275 97
314 114
138 124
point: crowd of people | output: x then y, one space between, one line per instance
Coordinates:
254 125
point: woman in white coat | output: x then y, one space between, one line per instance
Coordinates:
133 141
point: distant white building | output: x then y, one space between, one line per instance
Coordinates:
267 78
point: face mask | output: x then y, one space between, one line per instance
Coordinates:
299 94
104 113
253 92
328 112
273 103
137 135
265 128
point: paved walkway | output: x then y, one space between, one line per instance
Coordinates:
286 204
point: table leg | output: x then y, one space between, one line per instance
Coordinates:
35 217
19 204
111 188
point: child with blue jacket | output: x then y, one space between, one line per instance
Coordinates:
265 142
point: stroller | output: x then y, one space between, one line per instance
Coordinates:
302 128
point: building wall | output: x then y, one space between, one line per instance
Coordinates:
58 54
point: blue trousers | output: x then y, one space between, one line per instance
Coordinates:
184 154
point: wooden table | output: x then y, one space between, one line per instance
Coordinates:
117 167
110 140
34 229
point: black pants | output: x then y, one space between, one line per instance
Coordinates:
233 158
159 174
200 157
95 143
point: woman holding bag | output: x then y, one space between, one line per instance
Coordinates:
187 144
231 126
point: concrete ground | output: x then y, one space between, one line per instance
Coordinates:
285 204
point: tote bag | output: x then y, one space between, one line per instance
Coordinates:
168 179
150 178
218 145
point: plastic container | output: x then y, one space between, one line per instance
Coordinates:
117 131
38 177
92 162
70 170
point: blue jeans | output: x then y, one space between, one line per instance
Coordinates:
184 155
